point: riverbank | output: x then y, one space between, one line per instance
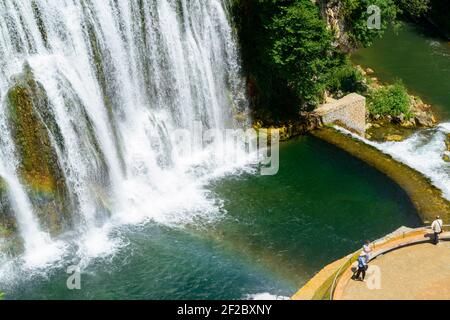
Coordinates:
426 198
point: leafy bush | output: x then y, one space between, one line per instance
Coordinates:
415 8
391 100
346 79
356 17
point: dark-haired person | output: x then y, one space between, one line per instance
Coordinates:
362 267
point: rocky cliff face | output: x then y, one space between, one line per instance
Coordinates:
332 11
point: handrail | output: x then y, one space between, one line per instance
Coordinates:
338 273
333 285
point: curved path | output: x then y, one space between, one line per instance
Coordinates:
413 273
419 270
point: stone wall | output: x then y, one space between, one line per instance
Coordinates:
349 111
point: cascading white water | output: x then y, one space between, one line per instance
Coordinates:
423 151
120 76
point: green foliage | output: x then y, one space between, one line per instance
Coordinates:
301 49
391 100
346 79
356 17
288 51
287 55
415 8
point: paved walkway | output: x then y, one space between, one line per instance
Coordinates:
413 273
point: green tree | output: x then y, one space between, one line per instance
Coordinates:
356 17
301 49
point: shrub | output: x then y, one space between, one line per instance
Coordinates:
346 79
391 100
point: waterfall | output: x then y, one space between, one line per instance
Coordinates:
424 152
106 83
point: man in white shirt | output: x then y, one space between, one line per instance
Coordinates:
436 226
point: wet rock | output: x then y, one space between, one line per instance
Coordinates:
447 142
10 241
33 127
361 70
369 71
424 119
446 158
395 137
410 123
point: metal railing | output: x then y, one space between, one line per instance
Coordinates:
354 256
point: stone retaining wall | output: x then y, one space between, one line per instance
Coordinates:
349 111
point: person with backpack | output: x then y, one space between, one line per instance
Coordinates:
362 267
436 226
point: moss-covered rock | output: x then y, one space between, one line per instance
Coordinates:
35 132
10 241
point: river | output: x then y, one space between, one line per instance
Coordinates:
422 61
255 235
276 232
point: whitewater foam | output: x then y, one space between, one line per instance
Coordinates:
120 78
423 151
264 296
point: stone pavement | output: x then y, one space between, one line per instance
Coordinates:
416 272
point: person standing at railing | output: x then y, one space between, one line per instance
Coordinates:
436 226
367 249
362 267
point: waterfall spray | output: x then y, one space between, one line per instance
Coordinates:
115 79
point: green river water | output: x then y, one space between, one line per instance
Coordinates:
419 58
276 231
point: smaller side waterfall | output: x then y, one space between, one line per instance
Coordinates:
423 151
